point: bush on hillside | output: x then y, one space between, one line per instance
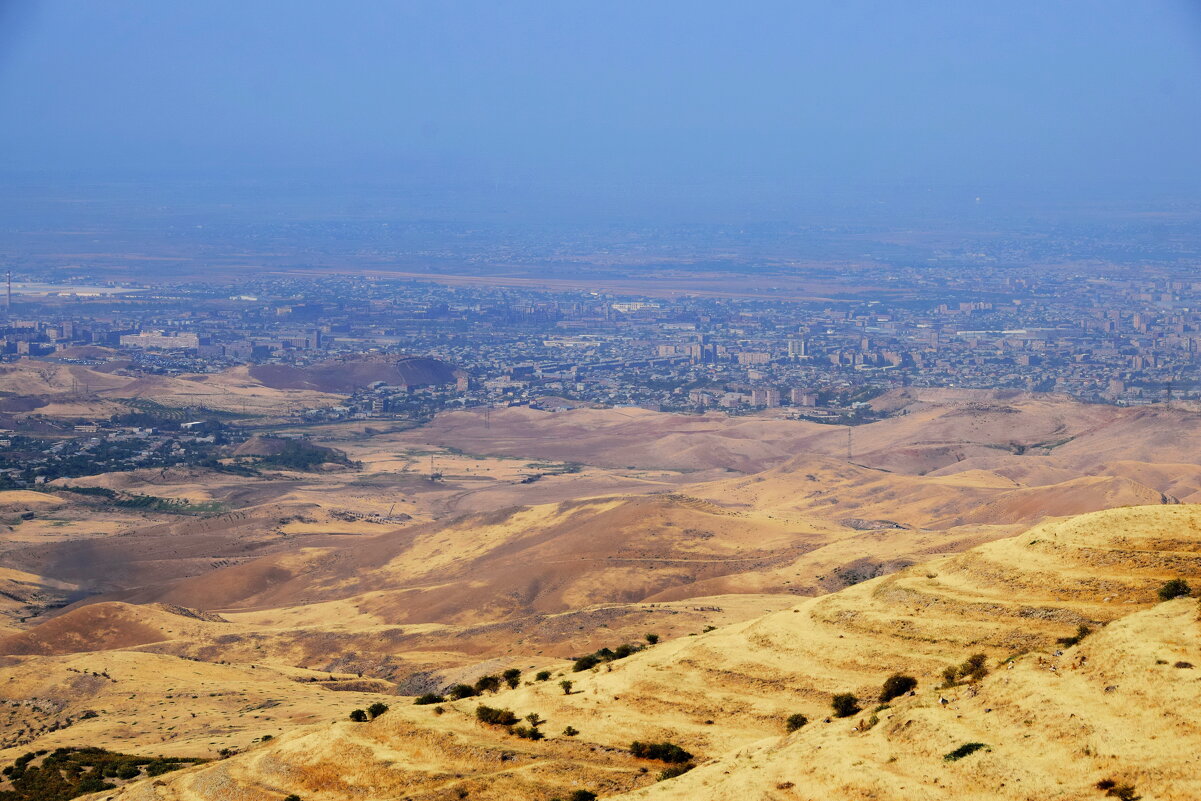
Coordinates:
795 721
512 677
663 752
589 661
1174 588
967 749
495 717
675 770
489 684
844 705
528 732
358 716
1082 631
460 691
376 709
429 698
895 686
974 669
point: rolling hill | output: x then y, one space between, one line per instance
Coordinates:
1052 719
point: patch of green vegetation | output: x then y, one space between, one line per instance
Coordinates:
663 752
844 705
1082 631
173 506
495 717
895 686
429 698
1174 588
967 749
974 669
595 658
70 772
675 770
151 503
295 454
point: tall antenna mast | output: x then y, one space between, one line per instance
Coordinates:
8 299
850 442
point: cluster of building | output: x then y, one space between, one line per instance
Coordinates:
1128 336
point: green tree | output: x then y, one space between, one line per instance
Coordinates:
795 721
845 705
895 686
1174 588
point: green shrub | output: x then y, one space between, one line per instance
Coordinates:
429 698
950 675
490 684
542 675
376 709
1174 588
795 721
974 669
570 731
595 658
582 795
69 772
460 691
1082 631
663 752
895 686
358 716
495 717
652 639
512 677
844 705
528 732
675 770
566 685
967 749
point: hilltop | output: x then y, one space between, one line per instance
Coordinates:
56 389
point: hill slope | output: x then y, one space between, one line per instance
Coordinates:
1057 721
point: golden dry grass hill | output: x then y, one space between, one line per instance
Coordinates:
302 595
56 389
1053 717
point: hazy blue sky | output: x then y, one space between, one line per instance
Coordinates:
720 97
